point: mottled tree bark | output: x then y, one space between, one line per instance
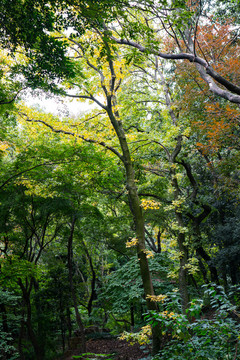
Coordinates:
136 209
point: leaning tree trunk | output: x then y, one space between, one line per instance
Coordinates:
136 209
183 274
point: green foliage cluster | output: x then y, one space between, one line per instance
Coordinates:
94 356
209 330
7 333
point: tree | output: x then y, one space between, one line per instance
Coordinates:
39 186
182 22
146 131
110 82
179 20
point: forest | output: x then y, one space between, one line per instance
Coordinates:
119 201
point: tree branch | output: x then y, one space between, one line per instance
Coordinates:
60 131
206 71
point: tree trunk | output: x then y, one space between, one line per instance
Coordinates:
203 269
135 207
93 294
69 324
132 316
20 337
26 291
213 271
73 294
183 273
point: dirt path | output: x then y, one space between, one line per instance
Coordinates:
120 350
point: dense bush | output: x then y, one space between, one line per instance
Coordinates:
209 331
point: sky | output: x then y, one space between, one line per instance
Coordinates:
55 104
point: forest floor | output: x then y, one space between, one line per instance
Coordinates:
119 350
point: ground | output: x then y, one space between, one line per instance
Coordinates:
120 350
